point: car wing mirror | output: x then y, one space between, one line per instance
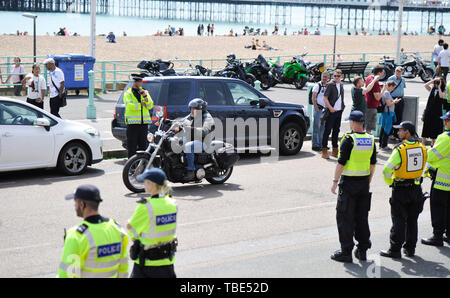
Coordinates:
43 122
263 102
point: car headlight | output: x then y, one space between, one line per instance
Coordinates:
150 137
92 132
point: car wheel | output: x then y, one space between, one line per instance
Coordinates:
291 139
74 159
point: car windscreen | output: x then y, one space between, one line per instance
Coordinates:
154 88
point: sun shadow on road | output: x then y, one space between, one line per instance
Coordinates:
203 191
419 267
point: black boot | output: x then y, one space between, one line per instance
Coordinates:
361 254
340 256
391 254
409 252
433 241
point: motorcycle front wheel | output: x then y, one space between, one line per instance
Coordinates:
426 75
134 167
222 176
300 83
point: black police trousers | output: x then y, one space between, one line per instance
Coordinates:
136 138
352 212
406 205
153 271
440 212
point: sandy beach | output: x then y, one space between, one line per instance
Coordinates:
217 47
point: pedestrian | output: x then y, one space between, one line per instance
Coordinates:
439 165
97 248
138 104
387 117
373 99
443 60
153 229
57 86
436 50
432 124
16 74
358 92
212 30
334 103
402 173
36 87
208 28
398 93
354 172
317 100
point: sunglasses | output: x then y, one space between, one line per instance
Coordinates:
337 76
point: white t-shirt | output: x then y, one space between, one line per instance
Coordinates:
15 78
444 55
436 51
338 104
57 76
35 85
319 98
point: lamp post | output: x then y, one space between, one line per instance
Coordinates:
32 16
334 47
93 21
399 29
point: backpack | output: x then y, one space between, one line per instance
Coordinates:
310 93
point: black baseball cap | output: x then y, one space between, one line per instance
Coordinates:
356 116
407 125
86 192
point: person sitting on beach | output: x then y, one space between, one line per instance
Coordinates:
231 33
60 32
111 38
267 47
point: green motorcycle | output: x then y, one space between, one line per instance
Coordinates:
292 72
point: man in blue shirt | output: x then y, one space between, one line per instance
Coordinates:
398 93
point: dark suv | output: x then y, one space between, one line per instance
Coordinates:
246 116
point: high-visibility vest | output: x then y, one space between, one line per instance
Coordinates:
135 113
448 93
95 251
155 226
359 162
413 160
439 158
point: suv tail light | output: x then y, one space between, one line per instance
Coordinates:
159 112
115 111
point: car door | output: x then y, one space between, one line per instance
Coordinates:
251 121
22 144
215 94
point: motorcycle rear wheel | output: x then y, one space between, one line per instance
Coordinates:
223 176
427 75
133 167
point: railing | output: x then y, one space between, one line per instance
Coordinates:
109 75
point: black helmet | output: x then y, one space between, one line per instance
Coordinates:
198 104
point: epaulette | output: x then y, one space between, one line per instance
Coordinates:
398 145
448 133
142 201
117 224
82 228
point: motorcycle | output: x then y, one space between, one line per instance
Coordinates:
292 72
261 70
215 167
413 68
314 71
197 70
236 69
157 68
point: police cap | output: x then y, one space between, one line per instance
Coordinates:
137 77
86 192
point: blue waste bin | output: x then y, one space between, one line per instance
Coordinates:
75 68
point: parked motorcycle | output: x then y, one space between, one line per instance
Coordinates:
236 69
314 71
157 68
197 70
413 68
292 72
261 70
215 167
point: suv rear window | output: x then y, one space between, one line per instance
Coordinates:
154 88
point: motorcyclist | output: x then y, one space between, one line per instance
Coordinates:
198 127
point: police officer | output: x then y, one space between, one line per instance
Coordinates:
138 104
199 127
439 163
403 173
355 169
96 248
153 229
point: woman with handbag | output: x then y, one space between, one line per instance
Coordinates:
57 90
36 87
432 123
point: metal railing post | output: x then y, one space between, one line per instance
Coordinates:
115 78
91 112
103 77
364 57
8 69
325 59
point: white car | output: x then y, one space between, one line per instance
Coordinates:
32 138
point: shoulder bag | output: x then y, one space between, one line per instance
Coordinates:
64 94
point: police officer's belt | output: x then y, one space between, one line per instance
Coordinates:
405 183
161 252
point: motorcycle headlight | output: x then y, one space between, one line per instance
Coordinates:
92 132
150 137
